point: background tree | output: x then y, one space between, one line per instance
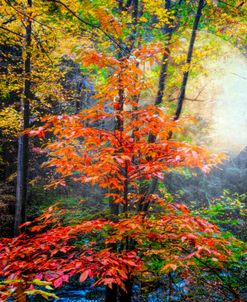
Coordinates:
30 61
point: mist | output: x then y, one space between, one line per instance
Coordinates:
221 96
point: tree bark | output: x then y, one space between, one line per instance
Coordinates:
115 293
168 30
125 296
143 205
111 293
22 160
183 86
189 58
164 64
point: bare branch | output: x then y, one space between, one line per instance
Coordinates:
11 31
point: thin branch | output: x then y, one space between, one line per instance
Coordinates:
239 75
91 25
214 271
41 47
13 18
187 99
239 6
25 15
11 31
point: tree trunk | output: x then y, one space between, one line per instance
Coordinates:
164 63
22 160
125 296
111 294
189 58
143 205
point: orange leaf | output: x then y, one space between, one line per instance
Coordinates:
84 275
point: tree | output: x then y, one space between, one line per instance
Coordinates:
29 63
181 97
141 228
123 245
22 160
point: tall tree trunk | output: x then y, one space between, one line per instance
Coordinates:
164 63
118 126
159 97
189 58
143 205
168 30
115 293
22 160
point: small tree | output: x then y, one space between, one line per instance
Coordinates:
147 229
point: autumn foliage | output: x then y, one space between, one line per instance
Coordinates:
124 146
49 254
122 247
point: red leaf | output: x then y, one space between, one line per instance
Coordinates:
58 282
84 275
